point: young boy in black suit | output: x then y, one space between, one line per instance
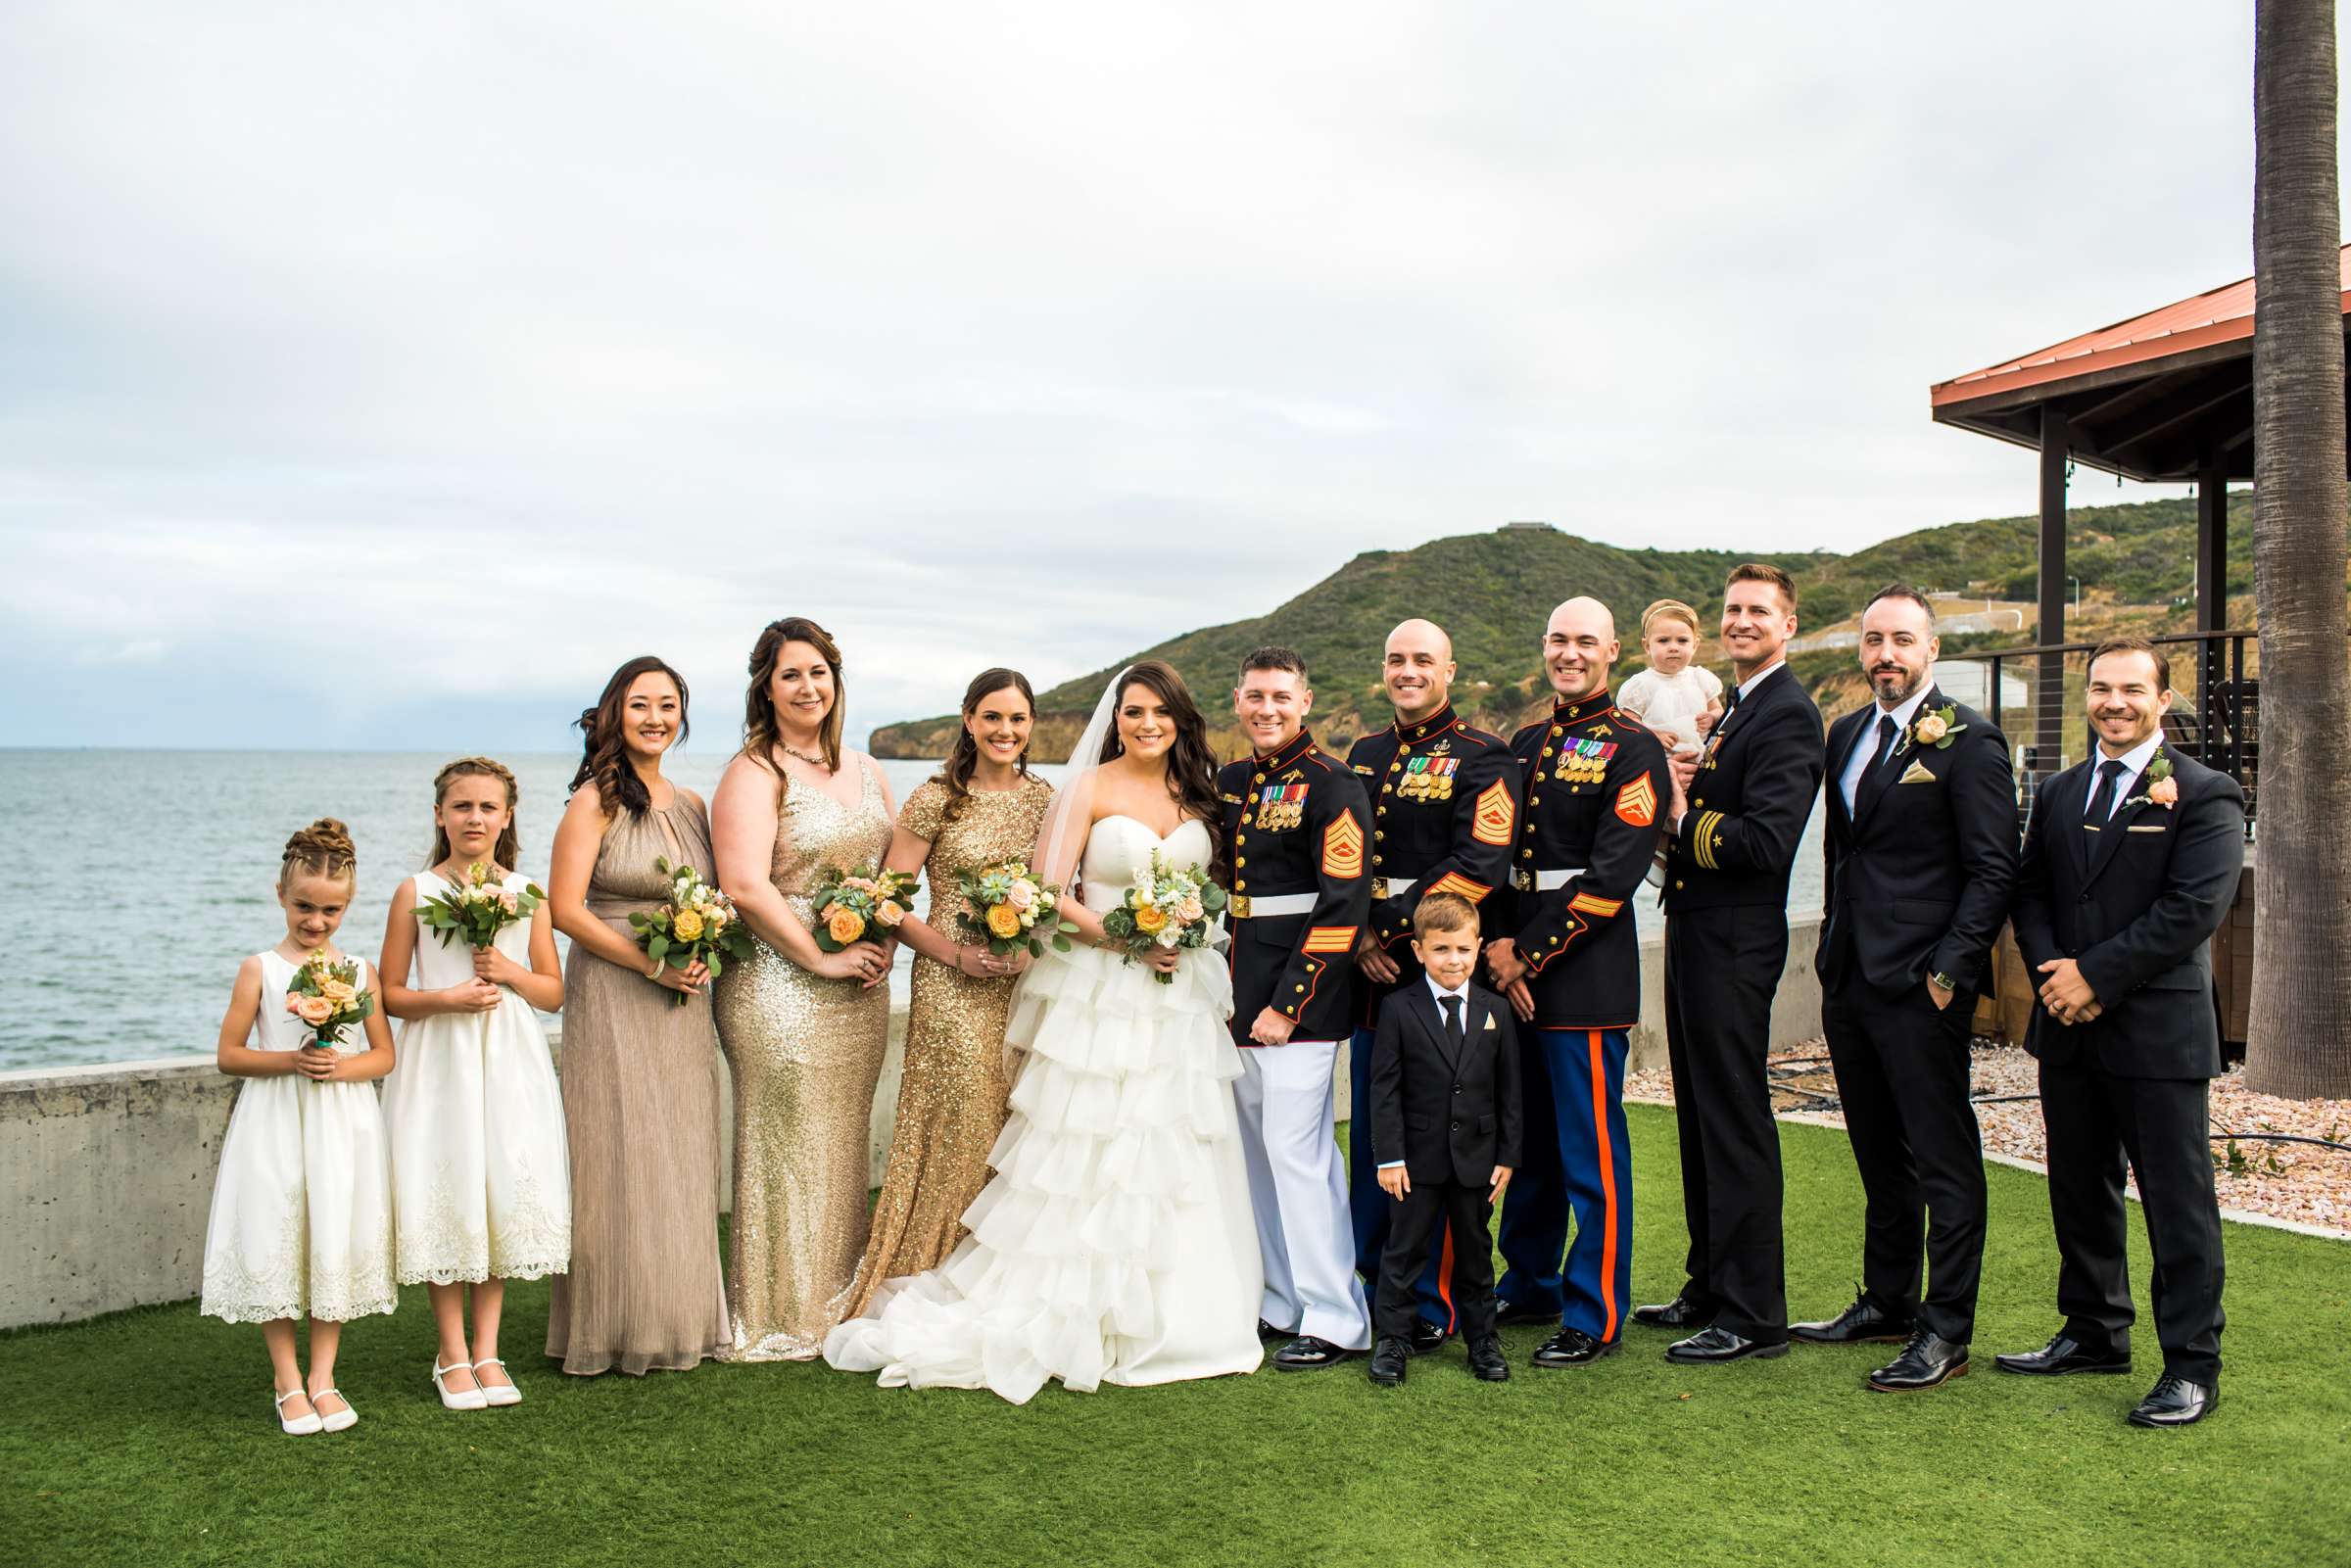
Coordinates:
1444 1121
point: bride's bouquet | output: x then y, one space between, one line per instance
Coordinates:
697 925
325 995
1167 907
477 909
860 905
1004 904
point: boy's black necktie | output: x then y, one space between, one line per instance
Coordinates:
1453 1019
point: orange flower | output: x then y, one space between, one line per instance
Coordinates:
2164 792
1004 921
844 925
1149 918
314 1010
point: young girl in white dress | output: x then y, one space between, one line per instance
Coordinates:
480 1171
1673 697
301 1208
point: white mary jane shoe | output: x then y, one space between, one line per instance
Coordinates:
301 1426
471 1399
496 1394
342 1421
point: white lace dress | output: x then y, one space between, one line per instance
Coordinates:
301 1208
481 1174
1115 1244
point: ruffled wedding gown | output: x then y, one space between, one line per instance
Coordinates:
1115 1244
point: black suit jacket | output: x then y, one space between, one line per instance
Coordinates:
2135 904
1451 1114
1749 802
1920 870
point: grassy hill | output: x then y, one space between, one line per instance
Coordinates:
1493 591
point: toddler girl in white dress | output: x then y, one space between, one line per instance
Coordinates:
1677 700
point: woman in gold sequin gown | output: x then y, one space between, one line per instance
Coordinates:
804 1029
981 809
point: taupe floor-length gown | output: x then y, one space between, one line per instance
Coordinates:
640 1101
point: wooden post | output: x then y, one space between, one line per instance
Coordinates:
2049 730
2212 588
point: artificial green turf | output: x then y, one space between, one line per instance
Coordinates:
146 1438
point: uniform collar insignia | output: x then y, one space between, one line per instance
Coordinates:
1288 756
1436 723
1582 708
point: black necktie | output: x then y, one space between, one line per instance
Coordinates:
1453 1019
1887 731
2101 798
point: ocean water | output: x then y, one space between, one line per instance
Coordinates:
133 883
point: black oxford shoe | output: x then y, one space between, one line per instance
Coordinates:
1573 1347
1426 1337
2176 1401
1267 1331
1715 1344
1388 1358
1506 1315
1863 1322
1486 1361
1928 1361
1307 1353
2062 1356
1680 1313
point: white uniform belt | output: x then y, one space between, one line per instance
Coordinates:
1549 881
1392 887
1245 907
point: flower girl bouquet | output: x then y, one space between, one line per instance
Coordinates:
1167 907
325 995
477 909
853 906
698 925
1004 904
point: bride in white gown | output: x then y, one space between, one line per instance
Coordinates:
1115 1242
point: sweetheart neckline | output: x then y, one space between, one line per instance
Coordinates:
1121 816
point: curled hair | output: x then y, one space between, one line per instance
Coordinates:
760 732
1669 609
964 760
603 755
509 848
1191 765
322 850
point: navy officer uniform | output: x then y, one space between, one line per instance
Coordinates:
1596 787
1444 817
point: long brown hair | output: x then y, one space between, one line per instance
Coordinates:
604 757
759 730
509 848
324 849
964 760
1191 765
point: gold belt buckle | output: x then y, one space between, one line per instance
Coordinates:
1525 881
1238 906
1379 889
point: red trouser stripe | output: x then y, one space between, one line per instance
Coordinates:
1607 1185
1453 1316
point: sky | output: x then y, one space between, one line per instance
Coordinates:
383 376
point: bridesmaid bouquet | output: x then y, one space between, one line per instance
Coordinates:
850 905
325 995
477 909
1002 906
1167 907
699 925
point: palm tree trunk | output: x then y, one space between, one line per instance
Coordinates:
2300 1030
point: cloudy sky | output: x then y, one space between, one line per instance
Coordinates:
381 376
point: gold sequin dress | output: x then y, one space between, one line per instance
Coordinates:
806 1054
952 1099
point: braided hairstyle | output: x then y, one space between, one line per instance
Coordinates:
509 843
322 850
964 760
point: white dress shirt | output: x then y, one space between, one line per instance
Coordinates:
2135 762
1440 993
1865 749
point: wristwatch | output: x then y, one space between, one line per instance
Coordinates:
1943 980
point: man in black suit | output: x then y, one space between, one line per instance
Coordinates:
1445 1132
1921 848
1737 813
2131 864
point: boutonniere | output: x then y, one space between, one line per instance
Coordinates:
2162 789
1938 729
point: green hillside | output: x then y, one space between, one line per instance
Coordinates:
1493 591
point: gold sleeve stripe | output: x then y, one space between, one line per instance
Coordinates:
1594 904
1702 844
1461 887
1330 939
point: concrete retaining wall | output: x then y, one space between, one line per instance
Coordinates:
106 1173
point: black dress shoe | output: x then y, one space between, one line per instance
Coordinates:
1267 1331
1928 1361
1307 1353
1715 1344
2063 1355
1487 1362
2176 1401
1864 1321
1573 1347
1680 1313
1506 1315
1388 1358
1426 1337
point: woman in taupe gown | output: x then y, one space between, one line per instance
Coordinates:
983 808
804 1029
640 1073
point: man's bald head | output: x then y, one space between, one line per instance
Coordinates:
1418 669
1579 647
1585 613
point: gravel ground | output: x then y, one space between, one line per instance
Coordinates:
2301 1182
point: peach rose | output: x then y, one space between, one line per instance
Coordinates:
1149 918
1931 729
1021 896
1189 911
844 925
1004 921
890 911
337 991
687 925
314 1010
293 1004
2164 792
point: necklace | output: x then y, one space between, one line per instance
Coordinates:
791 750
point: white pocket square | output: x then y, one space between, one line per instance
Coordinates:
2151 827
1489 1022
1918 773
